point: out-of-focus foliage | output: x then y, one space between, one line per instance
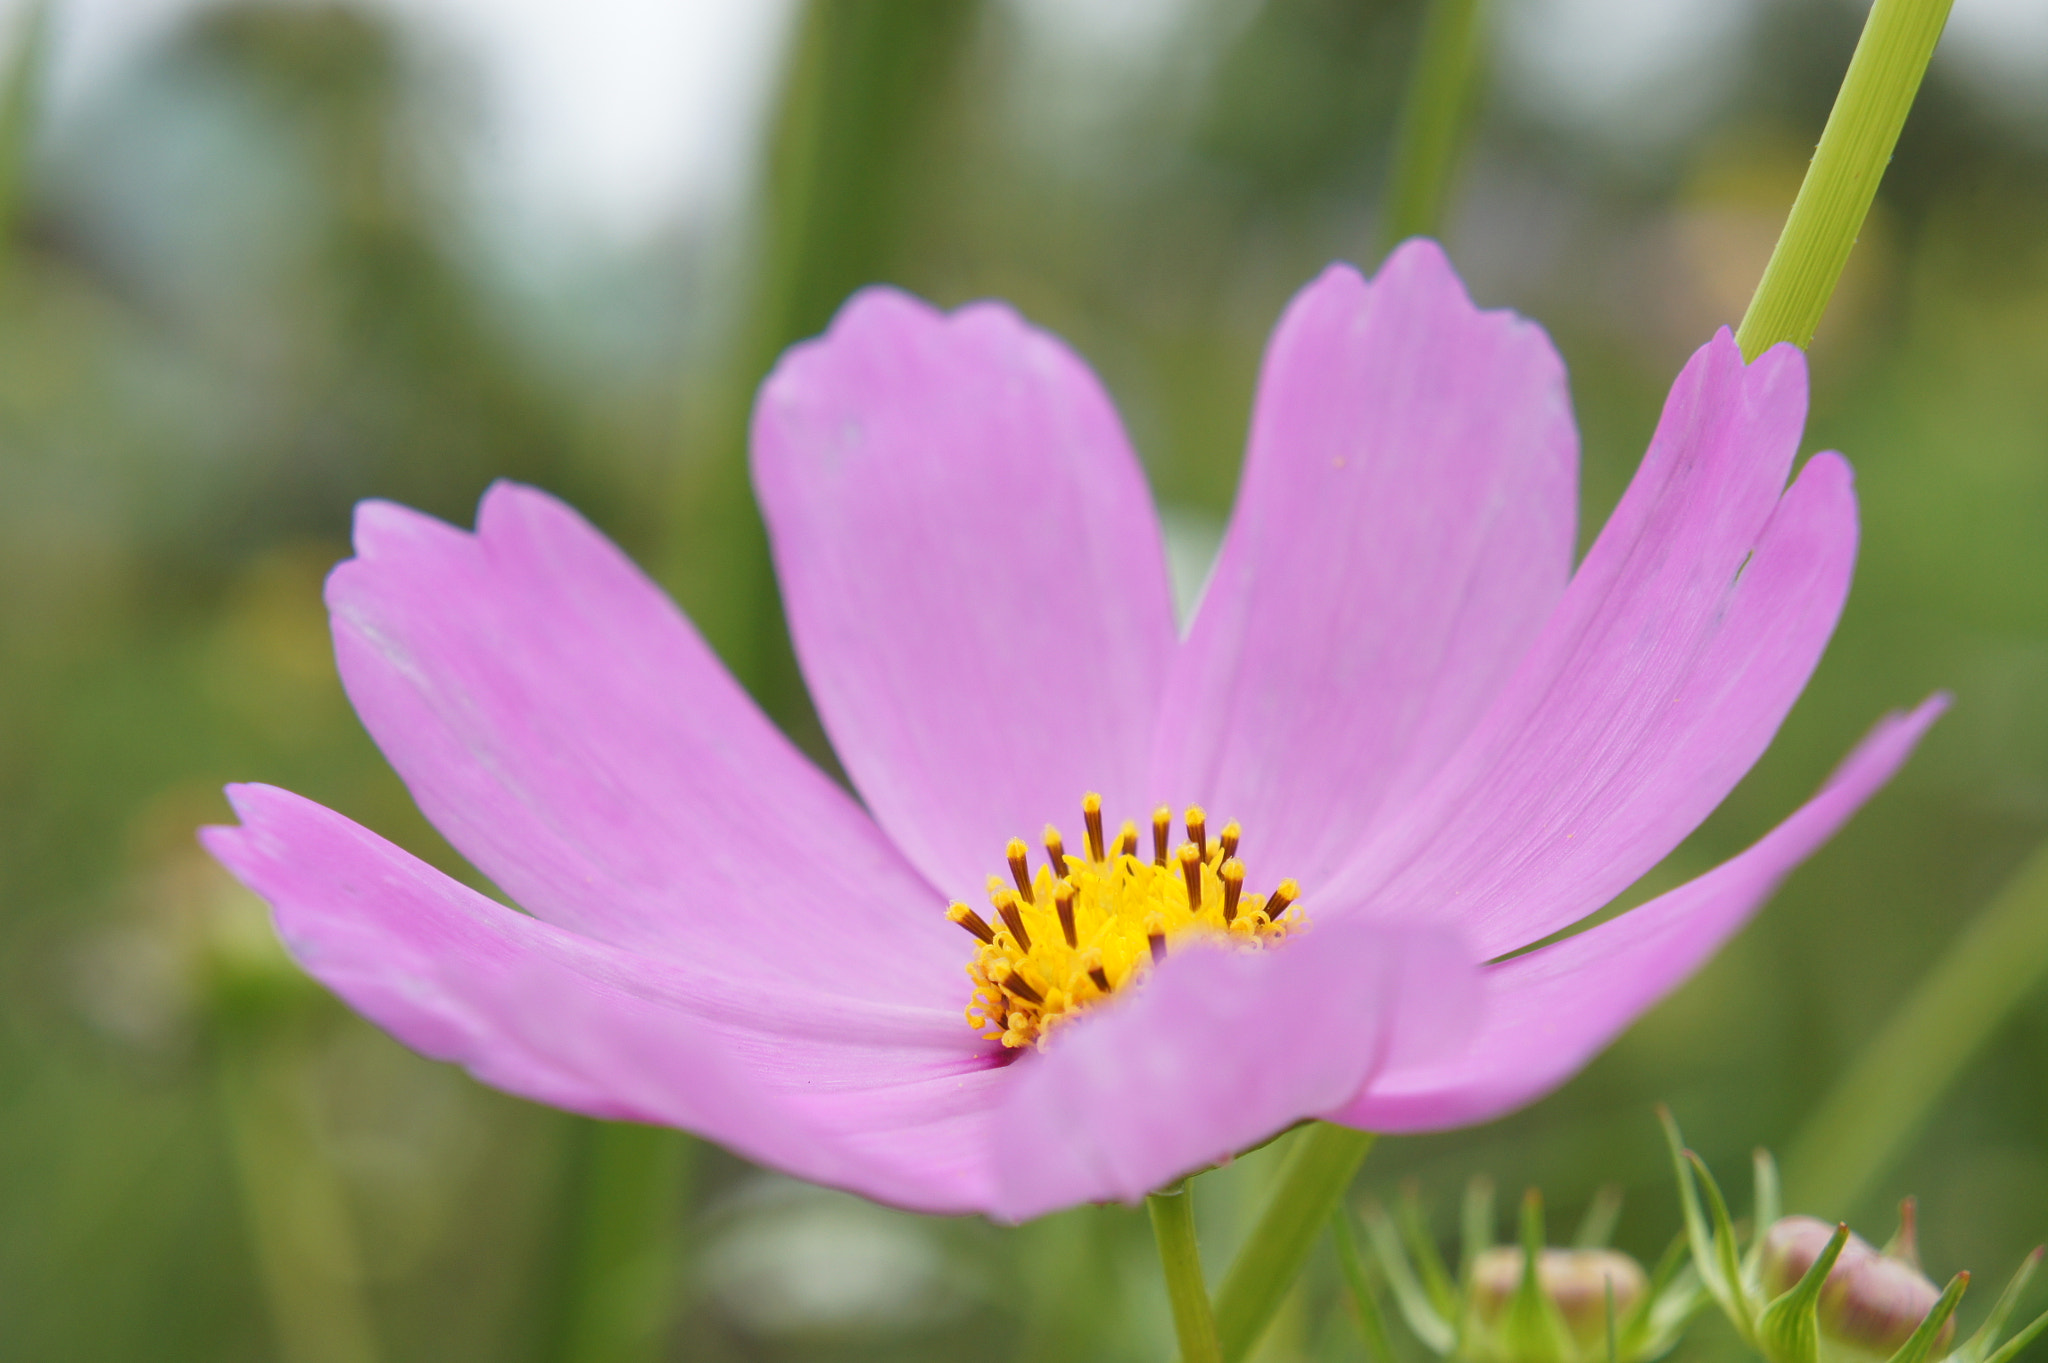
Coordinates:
239 291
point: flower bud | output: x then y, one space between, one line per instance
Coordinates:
1576 1281
1871 1302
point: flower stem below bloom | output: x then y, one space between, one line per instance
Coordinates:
1173 1225
1325 1159
1884 75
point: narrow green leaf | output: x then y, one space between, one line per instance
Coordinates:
1725 1256
1475 1224
1980 1344
2020 1340
1371 1322
1596 1227
1429 1263
1704 1263
1433 1329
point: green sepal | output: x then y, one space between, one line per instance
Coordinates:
1371 1321
1475 1226
1977 1348
1672 1299
1429 1263
1534 1330
1788 1331
1726 1257
1439 1334
1726 1291
1596 1227
1921 1343
1905 1242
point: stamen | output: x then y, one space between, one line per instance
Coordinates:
1091 961
1091 814
1055 852
1162 828
1232 876
1228 839
972 921
1127 840
1016 984
1020 868
1063 901
1288 892
1155 937
1198 830
1191 870
1013 918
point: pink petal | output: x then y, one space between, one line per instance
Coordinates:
1218 1050
1683 640
1550 1011
563 725
1404 527
972 571
889 1100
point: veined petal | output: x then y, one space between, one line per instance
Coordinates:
561 722
1219 1049
1679 647
972 570
1550 1011
889 1100
1404 525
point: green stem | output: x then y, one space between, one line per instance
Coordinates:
1325 1159
623 1256
1173 1225
1431 130
1371 1323
1876 1108
1884 75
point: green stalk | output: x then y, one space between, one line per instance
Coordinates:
1325 1159
1173 1225
623 1253
1432 126
1875 1109
1884 75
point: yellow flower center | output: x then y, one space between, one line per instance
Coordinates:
1082 927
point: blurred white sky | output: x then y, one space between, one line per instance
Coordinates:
613 117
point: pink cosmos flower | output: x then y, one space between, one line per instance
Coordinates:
1395 685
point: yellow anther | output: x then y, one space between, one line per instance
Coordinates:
1020 868
1055 851
1082 928
1013 919
972 921
1191 871
1232 876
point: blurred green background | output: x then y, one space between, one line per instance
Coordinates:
249 274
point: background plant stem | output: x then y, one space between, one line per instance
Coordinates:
1433 118
1319 1171
1173 1226
1875 1110
623 1256
1856 145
